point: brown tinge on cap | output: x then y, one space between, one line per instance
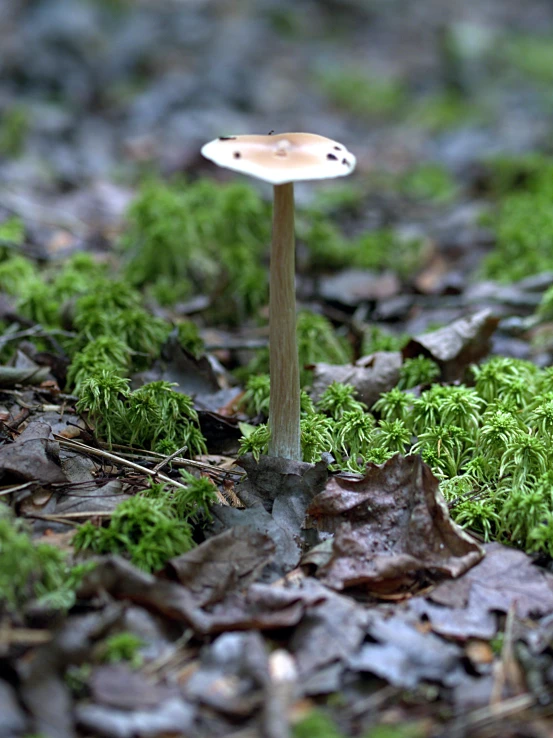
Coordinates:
280 158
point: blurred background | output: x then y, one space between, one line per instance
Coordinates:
445 105
91 89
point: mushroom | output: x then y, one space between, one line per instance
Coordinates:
283 159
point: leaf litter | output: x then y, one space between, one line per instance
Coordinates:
302 588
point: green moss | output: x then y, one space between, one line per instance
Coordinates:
420 370
528 172
378 339
122 647
18 275
202 234
319 342
385 249
151 417
429 182
445 110
354 91
12 232
316 725
190 339
532 55
14 127
145 529
523 223
32 570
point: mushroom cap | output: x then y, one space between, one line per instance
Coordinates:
283 157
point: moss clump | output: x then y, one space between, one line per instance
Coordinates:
122 647
524 229
429 182
12 232
445 110
524 222
378 339
13 131
420 370
210 237
316 723
489 444
190 339
151 417
145 529
353 90
154 526
319 342
531 55
34 571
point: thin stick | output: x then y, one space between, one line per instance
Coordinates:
71 516
78 446
10 490
178 461
164 462
284 406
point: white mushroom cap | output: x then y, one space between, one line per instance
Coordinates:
280 158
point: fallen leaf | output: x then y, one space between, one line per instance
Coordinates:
117 685
457 345
392 530
14 720
404 656
171 717
32 456
505 578
370 376
222 564
259 607
352 286
11 375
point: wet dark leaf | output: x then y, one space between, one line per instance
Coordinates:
329 634
173 716
370 376
404 656
457 345
12 375
232 675
504 578
393 529
117 685
353 286
32 456
260 607
227 562
44 690
13 720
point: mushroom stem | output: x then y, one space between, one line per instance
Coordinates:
284 408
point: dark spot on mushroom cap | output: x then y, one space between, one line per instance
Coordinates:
337 148
227 138
345 161
237 154
331 156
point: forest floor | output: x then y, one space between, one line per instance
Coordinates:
160 575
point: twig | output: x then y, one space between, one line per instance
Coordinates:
165 461
132 454
10 490
491 714
70 516
37 331
78 446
